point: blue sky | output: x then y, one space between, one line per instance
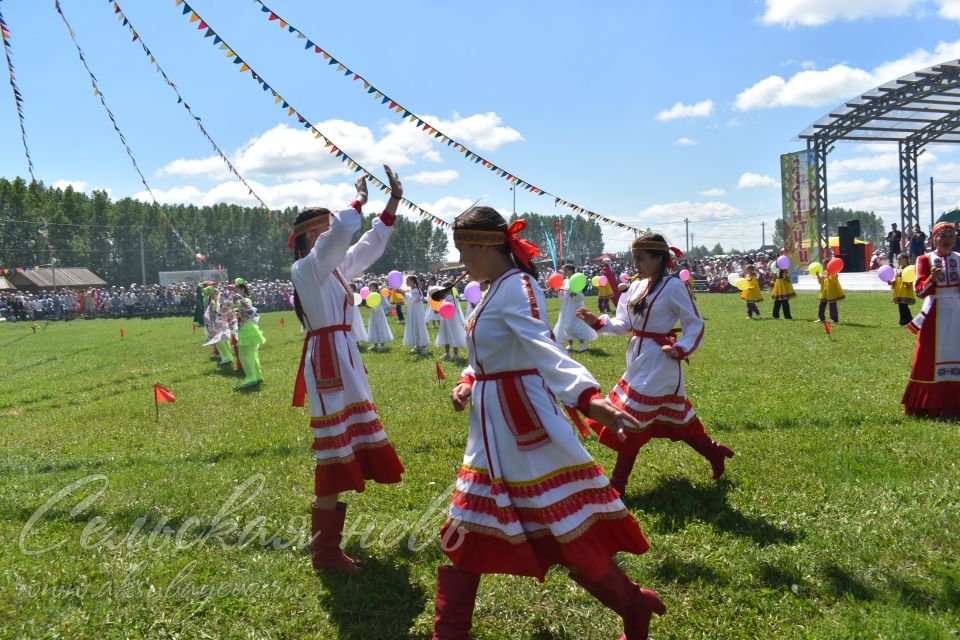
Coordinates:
643 112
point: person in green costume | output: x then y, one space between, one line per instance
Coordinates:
249 336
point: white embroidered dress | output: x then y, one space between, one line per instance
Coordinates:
569 326
528 494
415 330
348 440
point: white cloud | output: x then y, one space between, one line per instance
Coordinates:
448 207
752 180
679 110
714 193
818 88
812 13
78 185
484 131
840 187
433 177
211 167
949 9
882 161
300 193
685 141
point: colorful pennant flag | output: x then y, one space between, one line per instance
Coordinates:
440 375
161 394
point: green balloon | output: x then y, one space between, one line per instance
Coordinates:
578 282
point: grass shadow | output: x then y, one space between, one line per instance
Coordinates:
780 578
678 502
842 583
680 571
381 602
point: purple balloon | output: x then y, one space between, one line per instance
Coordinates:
394 279
886 273
783 262
472 292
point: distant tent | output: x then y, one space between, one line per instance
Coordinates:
5 285
64 278
950 216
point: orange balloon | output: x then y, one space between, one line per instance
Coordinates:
435 304
385 292
555 281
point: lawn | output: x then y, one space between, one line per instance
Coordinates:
839 517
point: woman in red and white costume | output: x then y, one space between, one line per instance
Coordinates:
528 495
349 443
934 386
652 388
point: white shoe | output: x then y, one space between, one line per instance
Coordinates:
818 320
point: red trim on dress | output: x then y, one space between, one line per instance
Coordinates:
538 488
341 440
375 461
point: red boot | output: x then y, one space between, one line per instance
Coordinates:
621 594
712 450
456 597
621 471
327 533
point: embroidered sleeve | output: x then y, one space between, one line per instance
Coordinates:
682 304
621 323
331 246
367 250
924 284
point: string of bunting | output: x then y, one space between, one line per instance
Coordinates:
8 270
116 127
18 99
428 128
135 37
218 41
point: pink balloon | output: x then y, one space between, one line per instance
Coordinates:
684 274
291 301
603 281
364 292
446 310
624 277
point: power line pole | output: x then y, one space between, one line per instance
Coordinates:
931 203
143 265
763 234
686 221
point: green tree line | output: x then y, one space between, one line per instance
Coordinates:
582 238
92 231
871 225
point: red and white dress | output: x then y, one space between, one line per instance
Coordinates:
652 389
934 386
348 440
528 495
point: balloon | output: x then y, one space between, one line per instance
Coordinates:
603 281
357 299
835 266
291 300
578 283
624 277
741 283
472 292
555 280
385 292
815 268
732 279
446 310
909 274
364 292
783 262
887 273
684 274
373 300
595 281
435 304
394 279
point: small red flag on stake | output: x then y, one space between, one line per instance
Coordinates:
161 394
826 325
122 332
440 375
194 327
282 324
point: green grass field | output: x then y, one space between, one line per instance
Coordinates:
838 518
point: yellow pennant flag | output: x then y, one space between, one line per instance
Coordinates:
179 2
291 111
283 25
277 99
194 17
244 67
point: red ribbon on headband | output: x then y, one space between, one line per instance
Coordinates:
524 250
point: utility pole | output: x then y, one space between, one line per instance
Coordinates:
931 203
691 237
686 221
143 264
763 234
514 189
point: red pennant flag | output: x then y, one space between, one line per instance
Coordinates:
122 332
282 324
440 375
826 325
162 394
194 327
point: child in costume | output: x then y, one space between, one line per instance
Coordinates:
415 332
451 334
751 293
349 443
378 331
830 293
249 336
568 328
431 313
652 388
903 291
934 387
528 495
782 294
397 299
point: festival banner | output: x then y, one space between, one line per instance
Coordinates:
278 99
798 179
426 127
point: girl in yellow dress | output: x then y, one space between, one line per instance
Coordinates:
903 295
751 293
830 293
782 292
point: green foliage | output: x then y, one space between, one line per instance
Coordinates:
872 229
837 518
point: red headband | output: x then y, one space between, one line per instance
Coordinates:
940 227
